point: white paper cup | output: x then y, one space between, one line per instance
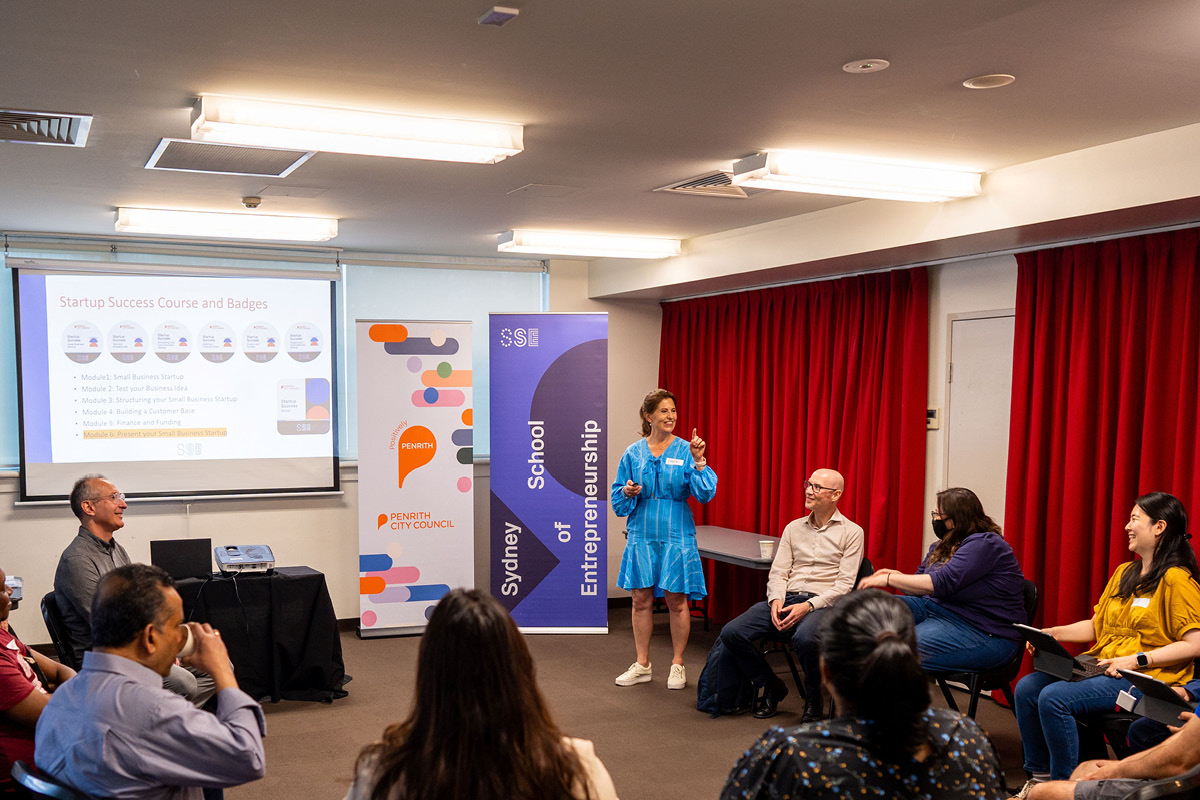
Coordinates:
766 548
189 644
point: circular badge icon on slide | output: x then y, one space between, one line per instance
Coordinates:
172 342
127 341
216 342
304 342
260 342
81 342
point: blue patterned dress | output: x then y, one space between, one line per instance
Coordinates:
661 549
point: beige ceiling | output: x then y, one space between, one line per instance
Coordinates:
618 97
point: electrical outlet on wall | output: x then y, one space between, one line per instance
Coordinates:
933 419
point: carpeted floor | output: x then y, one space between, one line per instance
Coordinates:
655 743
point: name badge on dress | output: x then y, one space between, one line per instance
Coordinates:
674 462
1141 602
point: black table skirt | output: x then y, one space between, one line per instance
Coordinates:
279 628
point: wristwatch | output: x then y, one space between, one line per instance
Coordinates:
1143 660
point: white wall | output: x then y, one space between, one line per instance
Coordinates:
322 532
1130 185
318 531
981 284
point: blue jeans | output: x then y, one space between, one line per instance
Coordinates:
1046 712
948 643
740 636
1145 733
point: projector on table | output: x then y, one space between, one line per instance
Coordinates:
234 558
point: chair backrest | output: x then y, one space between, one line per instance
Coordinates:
58 631
1031 601
864 569
38 784
1180 787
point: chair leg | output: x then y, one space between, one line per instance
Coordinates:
941 682
787 652
1008 695
973 686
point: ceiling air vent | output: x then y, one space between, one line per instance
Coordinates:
44 127
711 184
184 155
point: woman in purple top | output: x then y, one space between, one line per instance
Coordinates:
967 593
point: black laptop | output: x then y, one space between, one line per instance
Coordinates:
1159 701
1050 657
183 558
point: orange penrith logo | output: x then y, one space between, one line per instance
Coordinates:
414 449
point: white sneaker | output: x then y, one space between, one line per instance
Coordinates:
678 678
634 675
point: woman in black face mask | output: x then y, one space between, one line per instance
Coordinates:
967 593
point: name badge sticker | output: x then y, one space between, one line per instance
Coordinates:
1141 602
674 462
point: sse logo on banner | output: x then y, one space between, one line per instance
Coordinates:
521 337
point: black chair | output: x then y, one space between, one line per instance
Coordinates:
1098 732
1181 787
35 783
780 641
58 631
998 678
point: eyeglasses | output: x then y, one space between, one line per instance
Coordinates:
936 515
817 489
116 497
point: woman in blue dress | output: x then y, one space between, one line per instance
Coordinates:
656 476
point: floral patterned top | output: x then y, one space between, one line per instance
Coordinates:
831 759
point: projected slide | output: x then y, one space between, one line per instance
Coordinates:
176 384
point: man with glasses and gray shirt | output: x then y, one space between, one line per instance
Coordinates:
91 555
815 563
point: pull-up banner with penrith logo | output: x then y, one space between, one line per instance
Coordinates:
415 455
549 393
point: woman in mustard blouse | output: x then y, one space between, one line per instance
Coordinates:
1148 619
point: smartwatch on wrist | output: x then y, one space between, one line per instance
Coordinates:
1143 660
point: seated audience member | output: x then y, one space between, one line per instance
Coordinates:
967 593
1145 733
23 695
114 731
815 563
1148 619
92 554
479 728
886 740
1111 780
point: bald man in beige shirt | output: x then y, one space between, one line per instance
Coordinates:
816 562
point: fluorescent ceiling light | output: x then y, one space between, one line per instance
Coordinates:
600 245
211 224
823 174
264 123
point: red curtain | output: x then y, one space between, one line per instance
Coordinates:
783 381
1104 405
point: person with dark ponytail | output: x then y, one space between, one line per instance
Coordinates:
968 591
479 728
886 741
1147 619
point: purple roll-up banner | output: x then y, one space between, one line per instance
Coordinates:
549 470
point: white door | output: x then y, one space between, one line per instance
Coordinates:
980 391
